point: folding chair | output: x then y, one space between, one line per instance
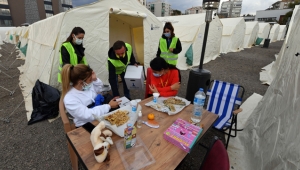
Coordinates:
217 157
68 127
223 99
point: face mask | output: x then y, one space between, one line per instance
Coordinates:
167 34
156 75
78 41
86 86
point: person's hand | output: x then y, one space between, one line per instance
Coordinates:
175 86
94 77
136 64
153 88
171 49
114 104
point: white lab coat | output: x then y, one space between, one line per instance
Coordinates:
76 102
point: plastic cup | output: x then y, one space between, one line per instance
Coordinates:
155 97
133 104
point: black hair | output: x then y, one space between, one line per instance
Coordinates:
76 31
118 45
169 26
158 63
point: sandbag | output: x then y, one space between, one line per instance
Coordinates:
45 101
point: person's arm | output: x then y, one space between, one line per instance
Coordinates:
98 85
132 59
158 51
112 77
178 48
65 55
82 112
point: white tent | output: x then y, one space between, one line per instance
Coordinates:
3 31
233 35
264 29
282 32
251 32
190 30
270 139
104 22
274 33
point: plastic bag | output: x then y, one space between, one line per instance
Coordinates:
45 101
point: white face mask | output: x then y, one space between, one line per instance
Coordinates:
78 41
86 86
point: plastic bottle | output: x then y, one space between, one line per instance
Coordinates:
198 106
139 121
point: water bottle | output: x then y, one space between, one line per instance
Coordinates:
139 121
199 101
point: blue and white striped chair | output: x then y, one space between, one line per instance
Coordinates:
223 100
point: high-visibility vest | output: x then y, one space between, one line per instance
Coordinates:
170 57
73 58
118 64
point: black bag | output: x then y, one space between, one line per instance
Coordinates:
45 102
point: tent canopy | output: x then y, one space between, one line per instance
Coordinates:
233 34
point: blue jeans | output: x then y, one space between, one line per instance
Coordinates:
125 89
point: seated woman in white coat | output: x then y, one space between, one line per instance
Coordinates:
80 87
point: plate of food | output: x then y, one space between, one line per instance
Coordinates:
170 105
117 120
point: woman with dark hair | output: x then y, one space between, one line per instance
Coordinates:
80 88
72 50
164 79
169 45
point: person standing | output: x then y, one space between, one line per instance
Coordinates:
169 45
120 55
72 50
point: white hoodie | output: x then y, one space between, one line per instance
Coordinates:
76 103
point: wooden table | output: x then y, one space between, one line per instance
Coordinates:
166 155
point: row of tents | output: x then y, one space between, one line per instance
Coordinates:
107 21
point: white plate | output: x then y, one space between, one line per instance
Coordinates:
159 106
119 130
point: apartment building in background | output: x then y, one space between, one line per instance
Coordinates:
143 2
283 4
159 8
231 8
194 10
19 12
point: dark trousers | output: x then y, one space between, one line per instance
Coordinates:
125 89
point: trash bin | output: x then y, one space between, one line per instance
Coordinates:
266 43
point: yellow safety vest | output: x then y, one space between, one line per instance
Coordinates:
73 59
118 64
170 57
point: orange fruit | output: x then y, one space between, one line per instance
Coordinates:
151 116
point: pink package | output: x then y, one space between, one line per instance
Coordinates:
182 134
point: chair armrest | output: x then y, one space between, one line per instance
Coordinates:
237 111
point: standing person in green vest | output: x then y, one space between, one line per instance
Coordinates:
169 46
72 50
120 55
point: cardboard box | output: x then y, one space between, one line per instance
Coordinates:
134 77
183 134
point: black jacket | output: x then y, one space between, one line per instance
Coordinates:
112 76
177 50
79 50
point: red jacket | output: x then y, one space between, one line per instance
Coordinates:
164 82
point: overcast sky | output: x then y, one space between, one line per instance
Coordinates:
249 6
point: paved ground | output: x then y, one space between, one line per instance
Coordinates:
43 145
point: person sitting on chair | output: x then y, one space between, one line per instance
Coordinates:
80 87
165 78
